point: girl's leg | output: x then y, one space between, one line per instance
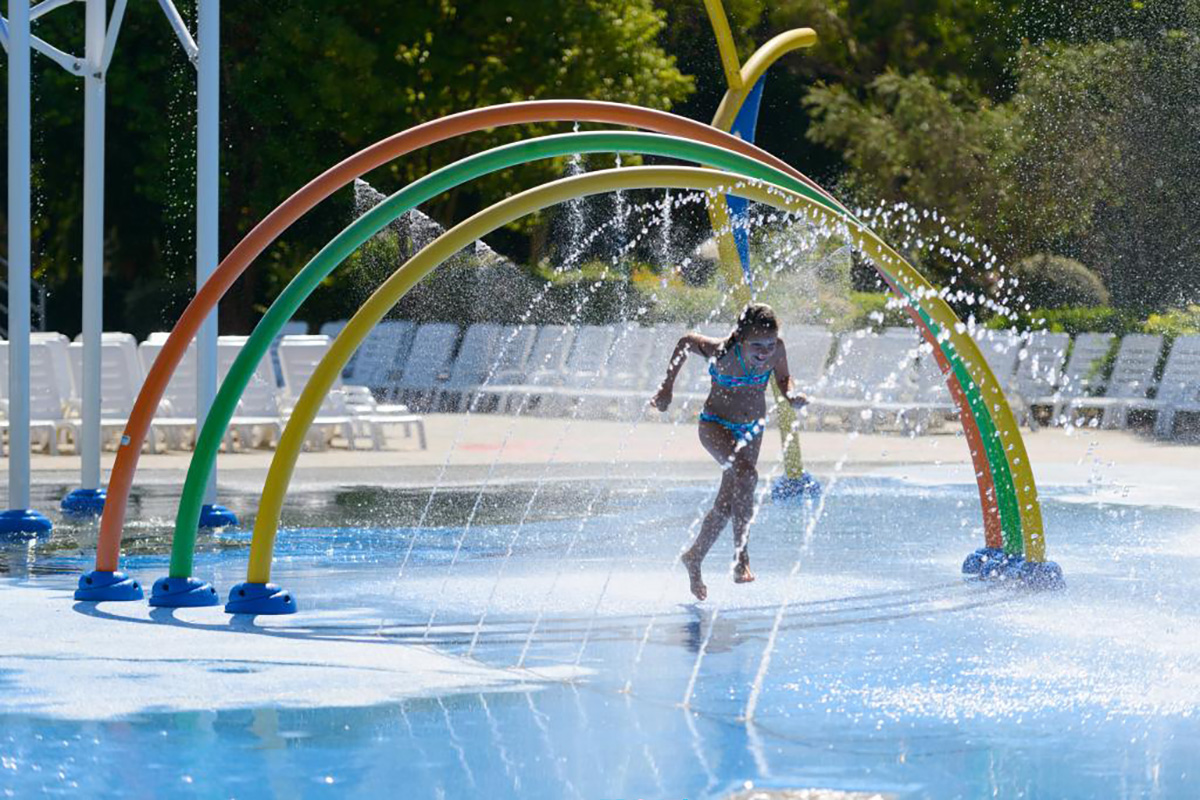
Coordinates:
745 482
722 446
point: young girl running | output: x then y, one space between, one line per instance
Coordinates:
731 425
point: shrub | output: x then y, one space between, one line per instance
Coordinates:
1175 323
1074 321
1052 281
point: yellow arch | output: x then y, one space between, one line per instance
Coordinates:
685 178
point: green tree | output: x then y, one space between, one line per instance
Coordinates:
1108 165
909 142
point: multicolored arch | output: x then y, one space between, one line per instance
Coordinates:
968 367
969 374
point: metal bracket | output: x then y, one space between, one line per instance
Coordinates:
67 61
110 38
181 32
46 6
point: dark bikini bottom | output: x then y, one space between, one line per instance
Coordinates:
746 431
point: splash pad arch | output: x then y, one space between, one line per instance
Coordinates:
1012 525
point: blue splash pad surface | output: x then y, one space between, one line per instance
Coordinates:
888 672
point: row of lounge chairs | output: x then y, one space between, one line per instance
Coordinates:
862 380
56 374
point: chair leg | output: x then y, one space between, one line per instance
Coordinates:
1164 423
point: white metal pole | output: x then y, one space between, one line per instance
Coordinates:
208 30
93 240
19 245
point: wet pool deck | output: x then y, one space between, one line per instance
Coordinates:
1121 465
905 681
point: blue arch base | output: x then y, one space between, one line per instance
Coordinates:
22 525
791 490
260 598
215 516
96 586
82 504
171 592
993 564
985 558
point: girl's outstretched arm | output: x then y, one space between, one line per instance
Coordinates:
786 382
689 343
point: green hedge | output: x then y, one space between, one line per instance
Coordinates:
1102 319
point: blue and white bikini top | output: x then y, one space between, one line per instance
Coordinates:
738 381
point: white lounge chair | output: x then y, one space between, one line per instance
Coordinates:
476 359
1002 351
541 369
47 402
1084 374
869 378
507 366
120 381
619 391
666 338
1131 380
1041 371
381 356
808 349
257 421
427 366
116 345
298 358
58 344
176 417
582 370
932 404
290 328
1179 390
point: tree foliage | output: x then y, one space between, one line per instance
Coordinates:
1089 157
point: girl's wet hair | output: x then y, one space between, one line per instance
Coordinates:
755 318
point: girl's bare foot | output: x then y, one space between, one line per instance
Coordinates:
692 565
741 571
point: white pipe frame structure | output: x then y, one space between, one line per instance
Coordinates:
19 253
93 240
100 42
208 181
